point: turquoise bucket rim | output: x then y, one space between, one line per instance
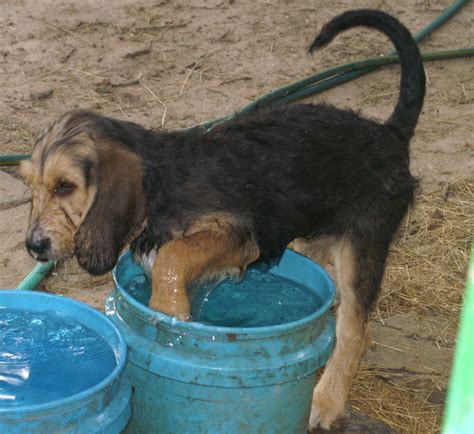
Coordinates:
85 394
173 325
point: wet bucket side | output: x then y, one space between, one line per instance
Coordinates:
205 395
281 408
105 413
193 378
103 408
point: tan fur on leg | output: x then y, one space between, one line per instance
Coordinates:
184 260
318 249
332 390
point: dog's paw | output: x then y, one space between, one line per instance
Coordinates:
324 411
183 317
178 315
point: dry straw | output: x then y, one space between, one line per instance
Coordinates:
428 263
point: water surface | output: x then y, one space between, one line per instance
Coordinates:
260 299
45 356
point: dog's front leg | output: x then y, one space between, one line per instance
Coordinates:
184 260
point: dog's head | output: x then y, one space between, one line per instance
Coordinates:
87 197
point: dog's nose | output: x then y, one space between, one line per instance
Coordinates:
38 245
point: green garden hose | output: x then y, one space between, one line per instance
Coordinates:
308 86
333 77
35 276
13 159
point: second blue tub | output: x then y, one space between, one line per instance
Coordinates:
28 380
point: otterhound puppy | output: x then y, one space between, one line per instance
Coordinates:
196 203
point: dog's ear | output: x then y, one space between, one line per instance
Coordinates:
116 213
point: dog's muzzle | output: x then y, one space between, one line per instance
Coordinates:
38 244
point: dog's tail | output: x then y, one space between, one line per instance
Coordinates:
412 83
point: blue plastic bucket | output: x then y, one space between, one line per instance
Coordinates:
103 408
189 377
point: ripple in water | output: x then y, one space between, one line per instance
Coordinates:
261 299
46 356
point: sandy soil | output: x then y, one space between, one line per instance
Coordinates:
172 64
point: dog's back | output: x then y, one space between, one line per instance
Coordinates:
302 170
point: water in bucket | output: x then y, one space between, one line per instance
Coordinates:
47 356
260 299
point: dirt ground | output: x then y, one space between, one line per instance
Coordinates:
172 64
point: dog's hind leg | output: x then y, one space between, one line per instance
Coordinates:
359 269
182 261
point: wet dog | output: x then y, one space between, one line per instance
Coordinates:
200 203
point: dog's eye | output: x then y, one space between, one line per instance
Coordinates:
63 188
